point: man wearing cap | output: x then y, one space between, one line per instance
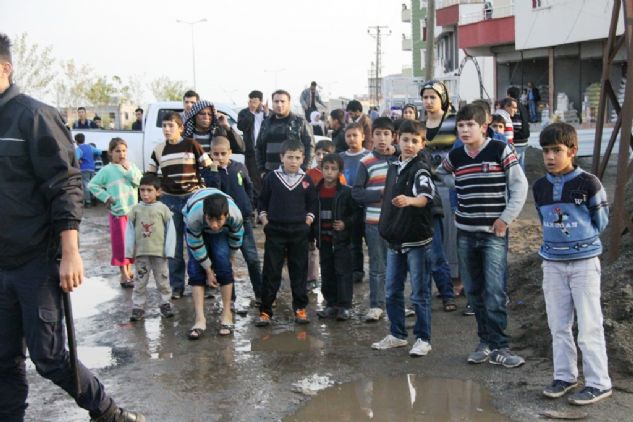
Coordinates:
309 98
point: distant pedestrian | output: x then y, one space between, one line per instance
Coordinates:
520 126
116 185
82 121
87 156
309 99
337 124
138 123
533 97
249 121
356 115
318 128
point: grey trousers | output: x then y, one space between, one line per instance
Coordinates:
143 266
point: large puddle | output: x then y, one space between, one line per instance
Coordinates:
288 341
402 398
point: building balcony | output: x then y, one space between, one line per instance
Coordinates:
486 28
407 43
406 14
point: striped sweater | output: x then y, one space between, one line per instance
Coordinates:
369 184
180 165
193 215
113 181
490 185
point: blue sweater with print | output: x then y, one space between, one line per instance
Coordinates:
573 209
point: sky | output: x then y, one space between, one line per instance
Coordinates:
244 45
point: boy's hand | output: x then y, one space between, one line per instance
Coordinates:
338 225
222 121
308 221
264 220
109 203
401 201
499 227
211 280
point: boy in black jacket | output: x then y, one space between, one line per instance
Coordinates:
287 204
406 224
334 219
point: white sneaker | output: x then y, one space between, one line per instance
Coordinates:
373 315
420 348
389 342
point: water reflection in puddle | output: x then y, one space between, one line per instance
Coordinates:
94 357
288 341
93 292
402 398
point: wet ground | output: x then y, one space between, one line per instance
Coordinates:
324 371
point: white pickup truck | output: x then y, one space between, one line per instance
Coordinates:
141 144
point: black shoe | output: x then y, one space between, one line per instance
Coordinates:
468 311
120 415
343 314
166 310
327 312
558 388
177 293
137 314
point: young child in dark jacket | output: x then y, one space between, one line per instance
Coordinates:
287 204
232 178
332 228
406 224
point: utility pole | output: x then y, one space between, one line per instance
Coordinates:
430 38
377 32
193 48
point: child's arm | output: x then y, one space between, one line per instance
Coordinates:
423 191
360 194
133 175
517 190
445 172
170 236
264 199
311 202
235 223
599 207
154 164
98 183
248 184
130 236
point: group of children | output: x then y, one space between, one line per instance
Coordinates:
384 195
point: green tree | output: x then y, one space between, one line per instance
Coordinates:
165 89
102 92
33 66
72 86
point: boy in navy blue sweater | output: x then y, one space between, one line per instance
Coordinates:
231 177
287 205
573 208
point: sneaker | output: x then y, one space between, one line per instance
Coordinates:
263 321
177 293
480 355
420 348
137 314
506 358
373 315
468 311
389 342
588 395
166 310
301 316
558 388
116 414
327 312
343 314
408 312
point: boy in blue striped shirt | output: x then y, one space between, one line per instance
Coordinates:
214 232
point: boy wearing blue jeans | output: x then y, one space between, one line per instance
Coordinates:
406 224
573 208
491 190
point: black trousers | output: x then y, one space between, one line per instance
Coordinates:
31 312
285 241
336 274
357 232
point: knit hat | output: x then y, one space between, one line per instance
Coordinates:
440 89
190 117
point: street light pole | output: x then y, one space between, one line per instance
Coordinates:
275 72
193 48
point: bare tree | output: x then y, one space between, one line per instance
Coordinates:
72 87
33 66
165 89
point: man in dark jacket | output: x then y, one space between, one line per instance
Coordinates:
337 123
281 126
249 121
40 212
521 126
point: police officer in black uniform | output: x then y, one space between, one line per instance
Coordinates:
40 211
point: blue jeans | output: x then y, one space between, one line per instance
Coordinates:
31 313
219 253
177 263
86 176
439 266
532 111
482 264
377 250
249 251
417 261
520 152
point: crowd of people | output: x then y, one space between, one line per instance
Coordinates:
432 197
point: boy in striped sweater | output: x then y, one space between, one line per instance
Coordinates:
367 191
491 190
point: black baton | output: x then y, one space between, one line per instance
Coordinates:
72 343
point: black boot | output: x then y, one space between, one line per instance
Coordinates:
116 414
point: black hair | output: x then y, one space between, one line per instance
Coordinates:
191 93
507 102
497 118
5 48
354 105
256 94
383 123
484 104
150 179
215 206
94 119
138 109
355 125
513 92
81 108
412 126
80 138
334 158
325 145
281 92
338 115
173 117
471 112
559 133
415 110
291 145
313 83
